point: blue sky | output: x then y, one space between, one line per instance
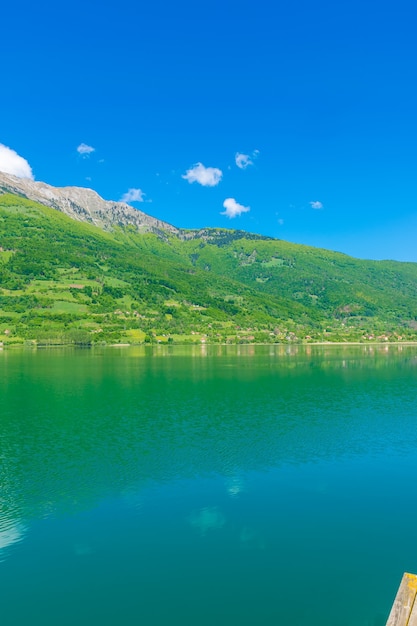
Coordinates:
316 101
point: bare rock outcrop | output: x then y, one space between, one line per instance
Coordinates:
84 205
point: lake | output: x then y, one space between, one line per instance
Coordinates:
205 485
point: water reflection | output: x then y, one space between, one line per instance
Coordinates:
209 478
251 539
207 519
83 549
79 425
11 533
234 486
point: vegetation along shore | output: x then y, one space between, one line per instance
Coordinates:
72 276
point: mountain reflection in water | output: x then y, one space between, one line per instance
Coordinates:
283 459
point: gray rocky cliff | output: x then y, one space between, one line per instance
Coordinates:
84 205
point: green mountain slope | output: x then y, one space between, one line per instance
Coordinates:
63 280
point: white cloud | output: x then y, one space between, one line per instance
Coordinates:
233 208
206 176
85 150
12 163
244 160
133 195
316 205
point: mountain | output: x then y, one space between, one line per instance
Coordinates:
84 205
76 268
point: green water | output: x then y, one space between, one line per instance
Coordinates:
206 486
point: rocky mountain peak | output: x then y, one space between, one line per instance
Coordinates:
84 205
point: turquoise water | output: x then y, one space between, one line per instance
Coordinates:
206 485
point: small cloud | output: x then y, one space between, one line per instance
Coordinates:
244 160
133 195
85 150
206 176
316 204
280 221
12 163
233 208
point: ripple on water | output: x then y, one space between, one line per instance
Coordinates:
12 532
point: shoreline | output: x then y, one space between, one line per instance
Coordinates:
35 346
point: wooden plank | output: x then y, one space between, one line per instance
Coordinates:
413 617
404 603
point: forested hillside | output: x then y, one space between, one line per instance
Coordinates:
66 281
